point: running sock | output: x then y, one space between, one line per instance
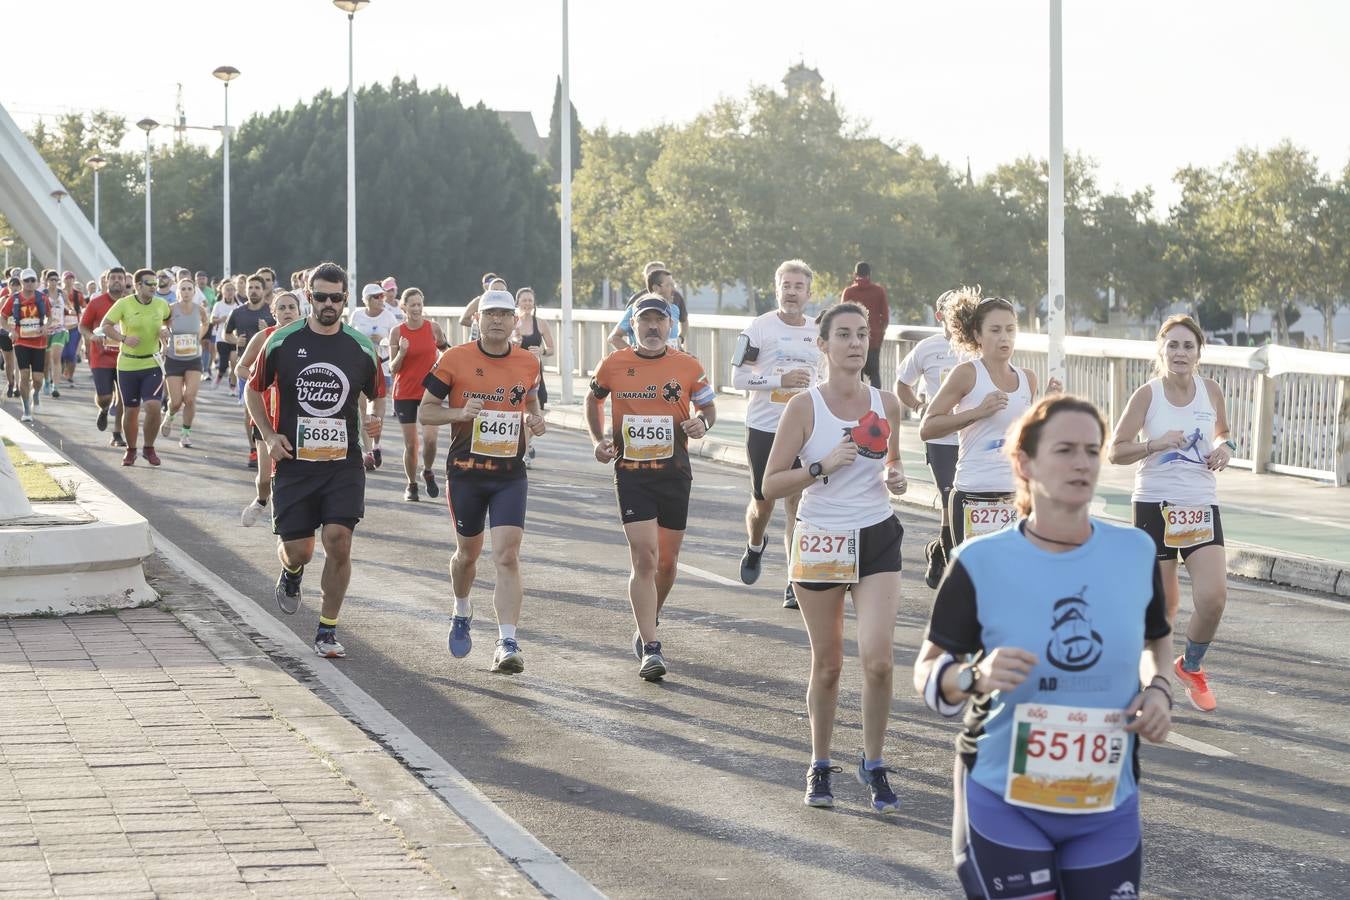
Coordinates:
753 549
821 764
870 764
1195 652
325 622
262 501
463 607
27 409
506 632
296 570
187 429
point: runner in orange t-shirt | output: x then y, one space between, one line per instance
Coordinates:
492 388
651 387
413 344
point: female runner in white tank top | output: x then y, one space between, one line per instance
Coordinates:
979 401
1181 417
847 538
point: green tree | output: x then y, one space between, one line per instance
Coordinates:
611 197
1328 274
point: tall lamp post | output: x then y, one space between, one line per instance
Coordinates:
1055 306
226 74
58 195
565 108
96 162
351 8
8 242
147 125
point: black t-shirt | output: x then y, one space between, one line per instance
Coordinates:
248 322
318 378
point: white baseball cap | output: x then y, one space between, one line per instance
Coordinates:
370 290
27 274
497 300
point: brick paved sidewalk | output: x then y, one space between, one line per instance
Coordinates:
134 762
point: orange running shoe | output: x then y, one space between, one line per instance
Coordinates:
1197 687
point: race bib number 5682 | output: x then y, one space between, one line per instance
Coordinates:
320 438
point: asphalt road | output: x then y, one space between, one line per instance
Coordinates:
692 788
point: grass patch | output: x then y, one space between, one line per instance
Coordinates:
37 484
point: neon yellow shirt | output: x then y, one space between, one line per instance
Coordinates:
143 320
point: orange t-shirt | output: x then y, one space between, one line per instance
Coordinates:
650 397
493 443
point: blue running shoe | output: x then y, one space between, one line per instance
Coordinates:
751 562
653 666
818 790
460 641
883 798
288 593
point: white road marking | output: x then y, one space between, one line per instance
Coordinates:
1195 746
708 576
505 835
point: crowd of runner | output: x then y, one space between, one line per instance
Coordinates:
1050 633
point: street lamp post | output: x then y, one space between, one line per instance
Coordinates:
351 8
1055 305
147 125
58 195
226 74
8 242
565 176
96 162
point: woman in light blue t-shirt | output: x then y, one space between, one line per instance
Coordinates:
1040 635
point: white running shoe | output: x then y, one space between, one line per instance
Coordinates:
252 513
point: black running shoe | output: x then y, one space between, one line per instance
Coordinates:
789 597
429 479
117 440
883 798
937 561
819 793
288 593
101 423
750 563
410 493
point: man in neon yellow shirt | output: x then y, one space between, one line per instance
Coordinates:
136 322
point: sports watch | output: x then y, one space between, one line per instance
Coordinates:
966 677
815 470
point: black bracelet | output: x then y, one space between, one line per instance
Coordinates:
1165 692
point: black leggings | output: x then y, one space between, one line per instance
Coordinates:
224 353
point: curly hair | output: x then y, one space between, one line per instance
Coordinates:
964 309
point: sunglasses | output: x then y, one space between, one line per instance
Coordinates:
149 283
30 280
319 297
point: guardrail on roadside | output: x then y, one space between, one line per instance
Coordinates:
1288 409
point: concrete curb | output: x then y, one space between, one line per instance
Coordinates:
72 566
446 843
1244 560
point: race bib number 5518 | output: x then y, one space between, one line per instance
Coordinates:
1065 759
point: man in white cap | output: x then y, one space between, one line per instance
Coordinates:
28 312
376 321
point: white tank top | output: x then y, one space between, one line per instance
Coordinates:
855 496
981 466
1178 476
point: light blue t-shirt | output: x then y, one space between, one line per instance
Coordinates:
1086 614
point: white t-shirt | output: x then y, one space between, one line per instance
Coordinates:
781 347
931 361
377 328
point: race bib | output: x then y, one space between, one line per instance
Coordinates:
823 554
30 328
320 439
185 345
1065 759
986 517
1187 526
790 357
496 432
648 437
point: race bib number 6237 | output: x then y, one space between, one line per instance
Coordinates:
823 555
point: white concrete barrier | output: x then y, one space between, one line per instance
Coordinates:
71 557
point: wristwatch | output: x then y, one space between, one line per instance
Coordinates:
966 677
815 470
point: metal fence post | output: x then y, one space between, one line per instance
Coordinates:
1118 391
714 370
1342 432
1263 423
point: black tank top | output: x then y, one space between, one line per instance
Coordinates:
535 338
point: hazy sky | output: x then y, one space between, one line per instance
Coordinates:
1149 86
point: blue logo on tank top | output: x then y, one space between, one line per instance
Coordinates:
1189 452
996 445
1073 645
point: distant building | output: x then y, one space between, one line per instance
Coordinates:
521 124
802 77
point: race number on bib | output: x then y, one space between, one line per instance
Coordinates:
496 432
1187 526
30 328
988 516
648 437
1065 759
185 345
823 554
320 439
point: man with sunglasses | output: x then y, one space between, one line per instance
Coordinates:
28 311
103 353
135 321
319 367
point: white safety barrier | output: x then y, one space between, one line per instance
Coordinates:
1288 409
